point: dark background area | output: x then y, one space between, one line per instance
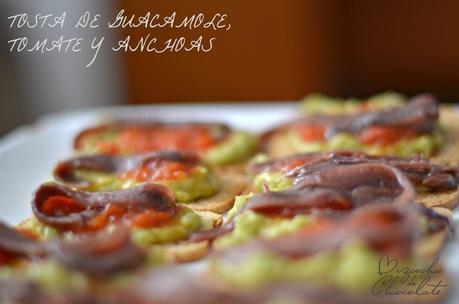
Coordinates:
284 51
275 51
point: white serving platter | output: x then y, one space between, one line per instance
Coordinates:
29 153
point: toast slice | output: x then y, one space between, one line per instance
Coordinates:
232 185
448 199
277 144
449 120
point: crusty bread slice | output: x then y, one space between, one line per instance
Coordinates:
186 252
232 185
449 153
24 224
278 145
239 168
430 246
448 199
209 219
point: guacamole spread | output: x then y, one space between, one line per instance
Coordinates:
47 274
55 278
238 147
425 145
353 268
375 140
250 225
186 222
275 181
322 104
201 183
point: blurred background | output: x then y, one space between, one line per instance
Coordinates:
275 51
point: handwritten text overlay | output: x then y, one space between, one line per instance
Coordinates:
201 28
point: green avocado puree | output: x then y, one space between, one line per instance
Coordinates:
202 183
250 225
238 147
186 222
353 268
322 104
423 145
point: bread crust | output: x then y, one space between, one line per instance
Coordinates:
232 185
209 219
448 199
278 145
186 252
449 152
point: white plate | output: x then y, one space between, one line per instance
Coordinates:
28 154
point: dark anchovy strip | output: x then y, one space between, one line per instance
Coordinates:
64 171
343 187
418 169
419 114
12 241
89 204
99 254
296 160
122 124
21 291
338 189
96 254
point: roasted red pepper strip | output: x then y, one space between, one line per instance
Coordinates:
383 136
142 137
310 132
96 254
99 254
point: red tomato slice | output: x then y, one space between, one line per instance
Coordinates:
186 138
108 147
309 132
383 135
143 139
159 170
150 218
